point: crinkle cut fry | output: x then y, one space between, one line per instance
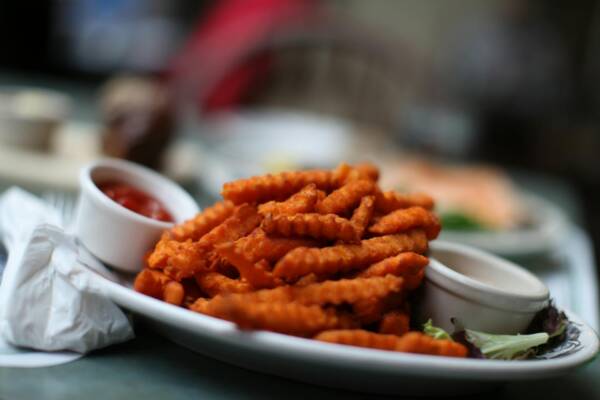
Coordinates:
291 318
258 246
359 338
345 257
347 290
366 171
214 283
368 311
258 274
158 285
192 292
302 202
307 280
409 265
395 323
182 260
405 219
403 264
244 219
417 342
386 202
325 293
178 260
411 342
281 294
345 173
259 189
362 215
174 293
346 197
203 222
317 226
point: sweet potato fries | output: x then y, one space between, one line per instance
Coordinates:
323 254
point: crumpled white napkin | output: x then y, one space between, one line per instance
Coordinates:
48 299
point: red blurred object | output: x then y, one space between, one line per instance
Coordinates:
219 61
136 200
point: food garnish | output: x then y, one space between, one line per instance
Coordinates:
456 221
434 331
506 347
547 328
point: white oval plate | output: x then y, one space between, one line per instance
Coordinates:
366 370
548 228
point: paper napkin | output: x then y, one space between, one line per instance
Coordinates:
49 300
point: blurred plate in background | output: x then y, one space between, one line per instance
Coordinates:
72 146
243 144
544 229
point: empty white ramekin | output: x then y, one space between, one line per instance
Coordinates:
118 236
479 291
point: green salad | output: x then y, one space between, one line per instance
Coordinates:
458 221
549 325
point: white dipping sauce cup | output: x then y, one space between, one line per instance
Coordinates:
481 291
116 235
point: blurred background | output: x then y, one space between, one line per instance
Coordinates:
491 105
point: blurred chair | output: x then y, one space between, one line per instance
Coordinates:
293 54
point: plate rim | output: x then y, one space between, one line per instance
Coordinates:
333 354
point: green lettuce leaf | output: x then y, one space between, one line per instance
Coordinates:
506 347
434 331
457 221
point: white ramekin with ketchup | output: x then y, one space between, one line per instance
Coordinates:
123 209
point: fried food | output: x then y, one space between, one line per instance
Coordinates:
347 291
280 186
243 220
202 223
405 219
409 265
317 226
345 173
359 338
368 311
366 171
411 342
174 293
404 264
417 342
178 260
151 283
323 254
158 285
302 202
307 280
258 246
395 323
362 215
257 274
291 318
191 292
346 197
386 202
345 257
214 283
343 291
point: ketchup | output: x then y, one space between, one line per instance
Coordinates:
135 200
